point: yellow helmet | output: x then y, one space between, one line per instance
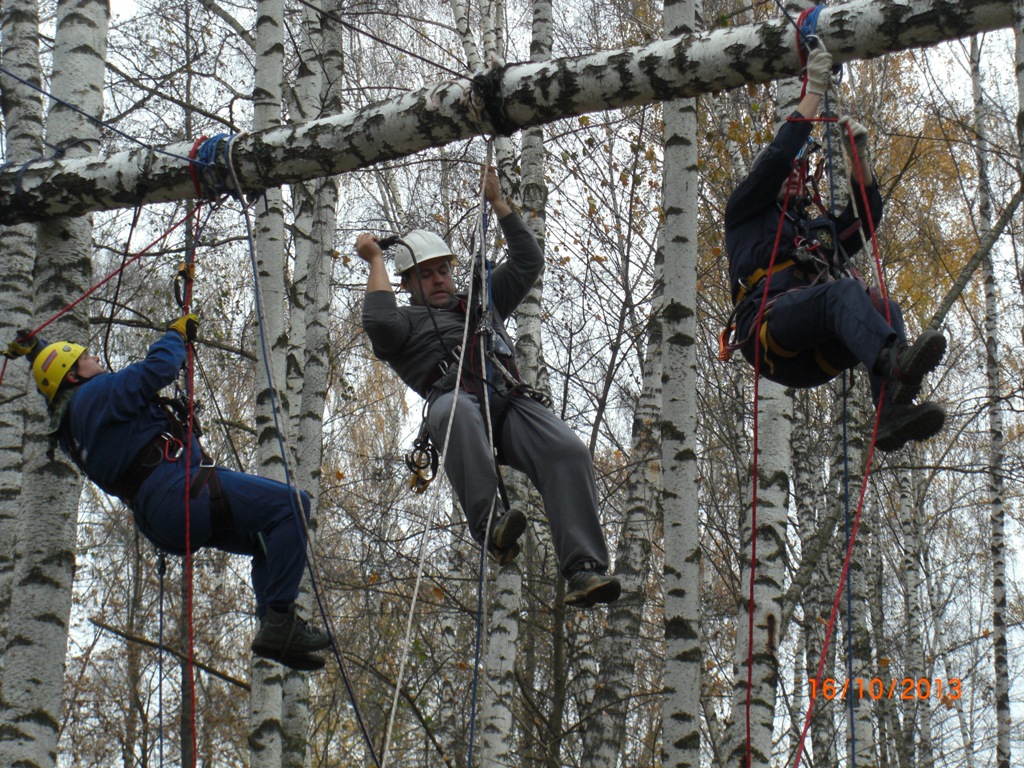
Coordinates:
52 365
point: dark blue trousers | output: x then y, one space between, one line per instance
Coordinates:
264 525
819 331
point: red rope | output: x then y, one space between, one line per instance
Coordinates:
105 280
189 586
855 160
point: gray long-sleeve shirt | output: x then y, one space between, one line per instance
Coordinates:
406 337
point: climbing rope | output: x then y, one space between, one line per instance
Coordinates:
183 293
312 564
421 566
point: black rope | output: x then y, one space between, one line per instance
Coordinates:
90 117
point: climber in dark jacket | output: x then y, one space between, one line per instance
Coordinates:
131 443
818 320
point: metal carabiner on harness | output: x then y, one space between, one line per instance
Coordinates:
422 457
182 282
171 440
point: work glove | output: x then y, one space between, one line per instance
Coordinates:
187 326
24 344
859 133
819 71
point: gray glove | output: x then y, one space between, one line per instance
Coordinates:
819 71
851 129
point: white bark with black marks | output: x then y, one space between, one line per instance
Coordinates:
532 94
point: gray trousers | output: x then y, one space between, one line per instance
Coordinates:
538 443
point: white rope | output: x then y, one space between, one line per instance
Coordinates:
421 567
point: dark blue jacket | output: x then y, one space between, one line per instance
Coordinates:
753 212
113 416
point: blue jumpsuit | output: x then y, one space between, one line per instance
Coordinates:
113 416
819 329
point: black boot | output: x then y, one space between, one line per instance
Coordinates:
900 424
284 637
903 367
587 587
504 546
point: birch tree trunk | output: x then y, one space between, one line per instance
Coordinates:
763 559
889 752
911 748
683 657
314 226
860 595
817 508
23 123
266 707
605 739
45 534
994 469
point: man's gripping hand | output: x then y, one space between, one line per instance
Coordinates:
24 344
819 71
187 326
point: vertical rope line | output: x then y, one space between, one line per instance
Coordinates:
485 302
189 437
753 505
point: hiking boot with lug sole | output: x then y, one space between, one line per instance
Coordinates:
505 537
588 588
284 637
907 365
303 662
900 424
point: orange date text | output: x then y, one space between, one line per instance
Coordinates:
907 688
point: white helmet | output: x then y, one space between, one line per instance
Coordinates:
419 246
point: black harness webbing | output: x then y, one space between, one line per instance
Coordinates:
167 446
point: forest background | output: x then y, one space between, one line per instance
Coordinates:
645 682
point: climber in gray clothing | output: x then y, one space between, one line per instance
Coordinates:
422 342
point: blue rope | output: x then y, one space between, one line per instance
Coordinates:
162 570
810 23
296 511
477 644
486 271
213 182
